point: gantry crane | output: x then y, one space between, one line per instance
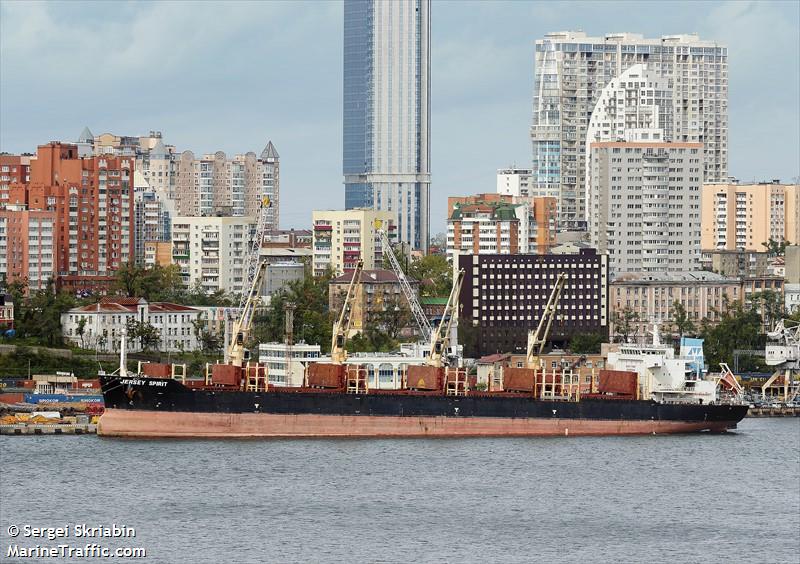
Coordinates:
342 326
784 355
538 338
424 325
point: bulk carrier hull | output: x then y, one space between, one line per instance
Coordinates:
154 407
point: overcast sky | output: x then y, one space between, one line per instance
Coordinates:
214 76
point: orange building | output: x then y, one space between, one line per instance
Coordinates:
92 202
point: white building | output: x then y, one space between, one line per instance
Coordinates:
273 356
342 237
571 71
514 182
212 251
106 322
645 210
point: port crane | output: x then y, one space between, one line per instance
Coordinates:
235 352
538 338
784 355
342 326
440 338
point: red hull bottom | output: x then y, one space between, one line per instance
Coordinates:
128 423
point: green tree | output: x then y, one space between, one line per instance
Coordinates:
154 284
146 333
776 248
80 330
739 327
39 315
625 323
586 343
680 319
210 342
769 305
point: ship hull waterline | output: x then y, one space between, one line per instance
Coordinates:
159 424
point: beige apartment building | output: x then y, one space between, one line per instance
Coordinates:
216 184
341 237
645 205
652 296
743 216
211 251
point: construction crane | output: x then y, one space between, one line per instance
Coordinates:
538 338
342 326
784 355
424 325
440 338
236 353
254 256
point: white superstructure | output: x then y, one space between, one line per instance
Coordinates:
663 377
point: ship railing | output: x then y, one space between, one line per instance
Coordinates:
564 385
356 379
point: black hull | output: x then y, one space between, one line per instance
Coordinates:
166 395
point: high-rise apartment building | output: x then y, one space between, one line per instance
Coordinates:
515 182
215 184
572 70
743 216
27 246
500 224
386 157
645 207
91 198
343 237
211 251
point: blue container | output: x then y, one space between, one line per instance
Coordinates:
62 398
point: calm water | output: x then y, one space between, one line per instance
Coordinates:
691 498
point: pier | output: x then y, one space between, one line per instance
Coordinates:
783 411
49 429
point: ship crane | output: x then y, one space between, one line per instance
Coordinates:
343 323
784 355
538 338
440 338
236 353
424 325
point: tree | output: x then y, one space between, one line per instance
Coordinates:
776 248
210 342
433 268
586 343
739 327
39 315
680 319
625 323
147 334
80 330
156 283
769 304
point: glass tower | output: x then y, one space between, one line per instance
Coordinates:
386 154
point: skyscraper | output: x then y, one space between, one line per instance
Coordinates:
386 157
571 72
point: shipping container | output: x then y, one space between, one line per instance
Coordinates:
62 398
424 378
618 382
226 375
326 375
156 370
518 379
12 397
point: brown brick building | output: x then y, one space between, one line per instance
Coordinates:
91 203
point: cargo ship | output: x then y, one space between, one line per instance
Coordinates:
435 399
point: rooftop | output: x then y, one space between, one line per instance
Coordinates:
698 276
